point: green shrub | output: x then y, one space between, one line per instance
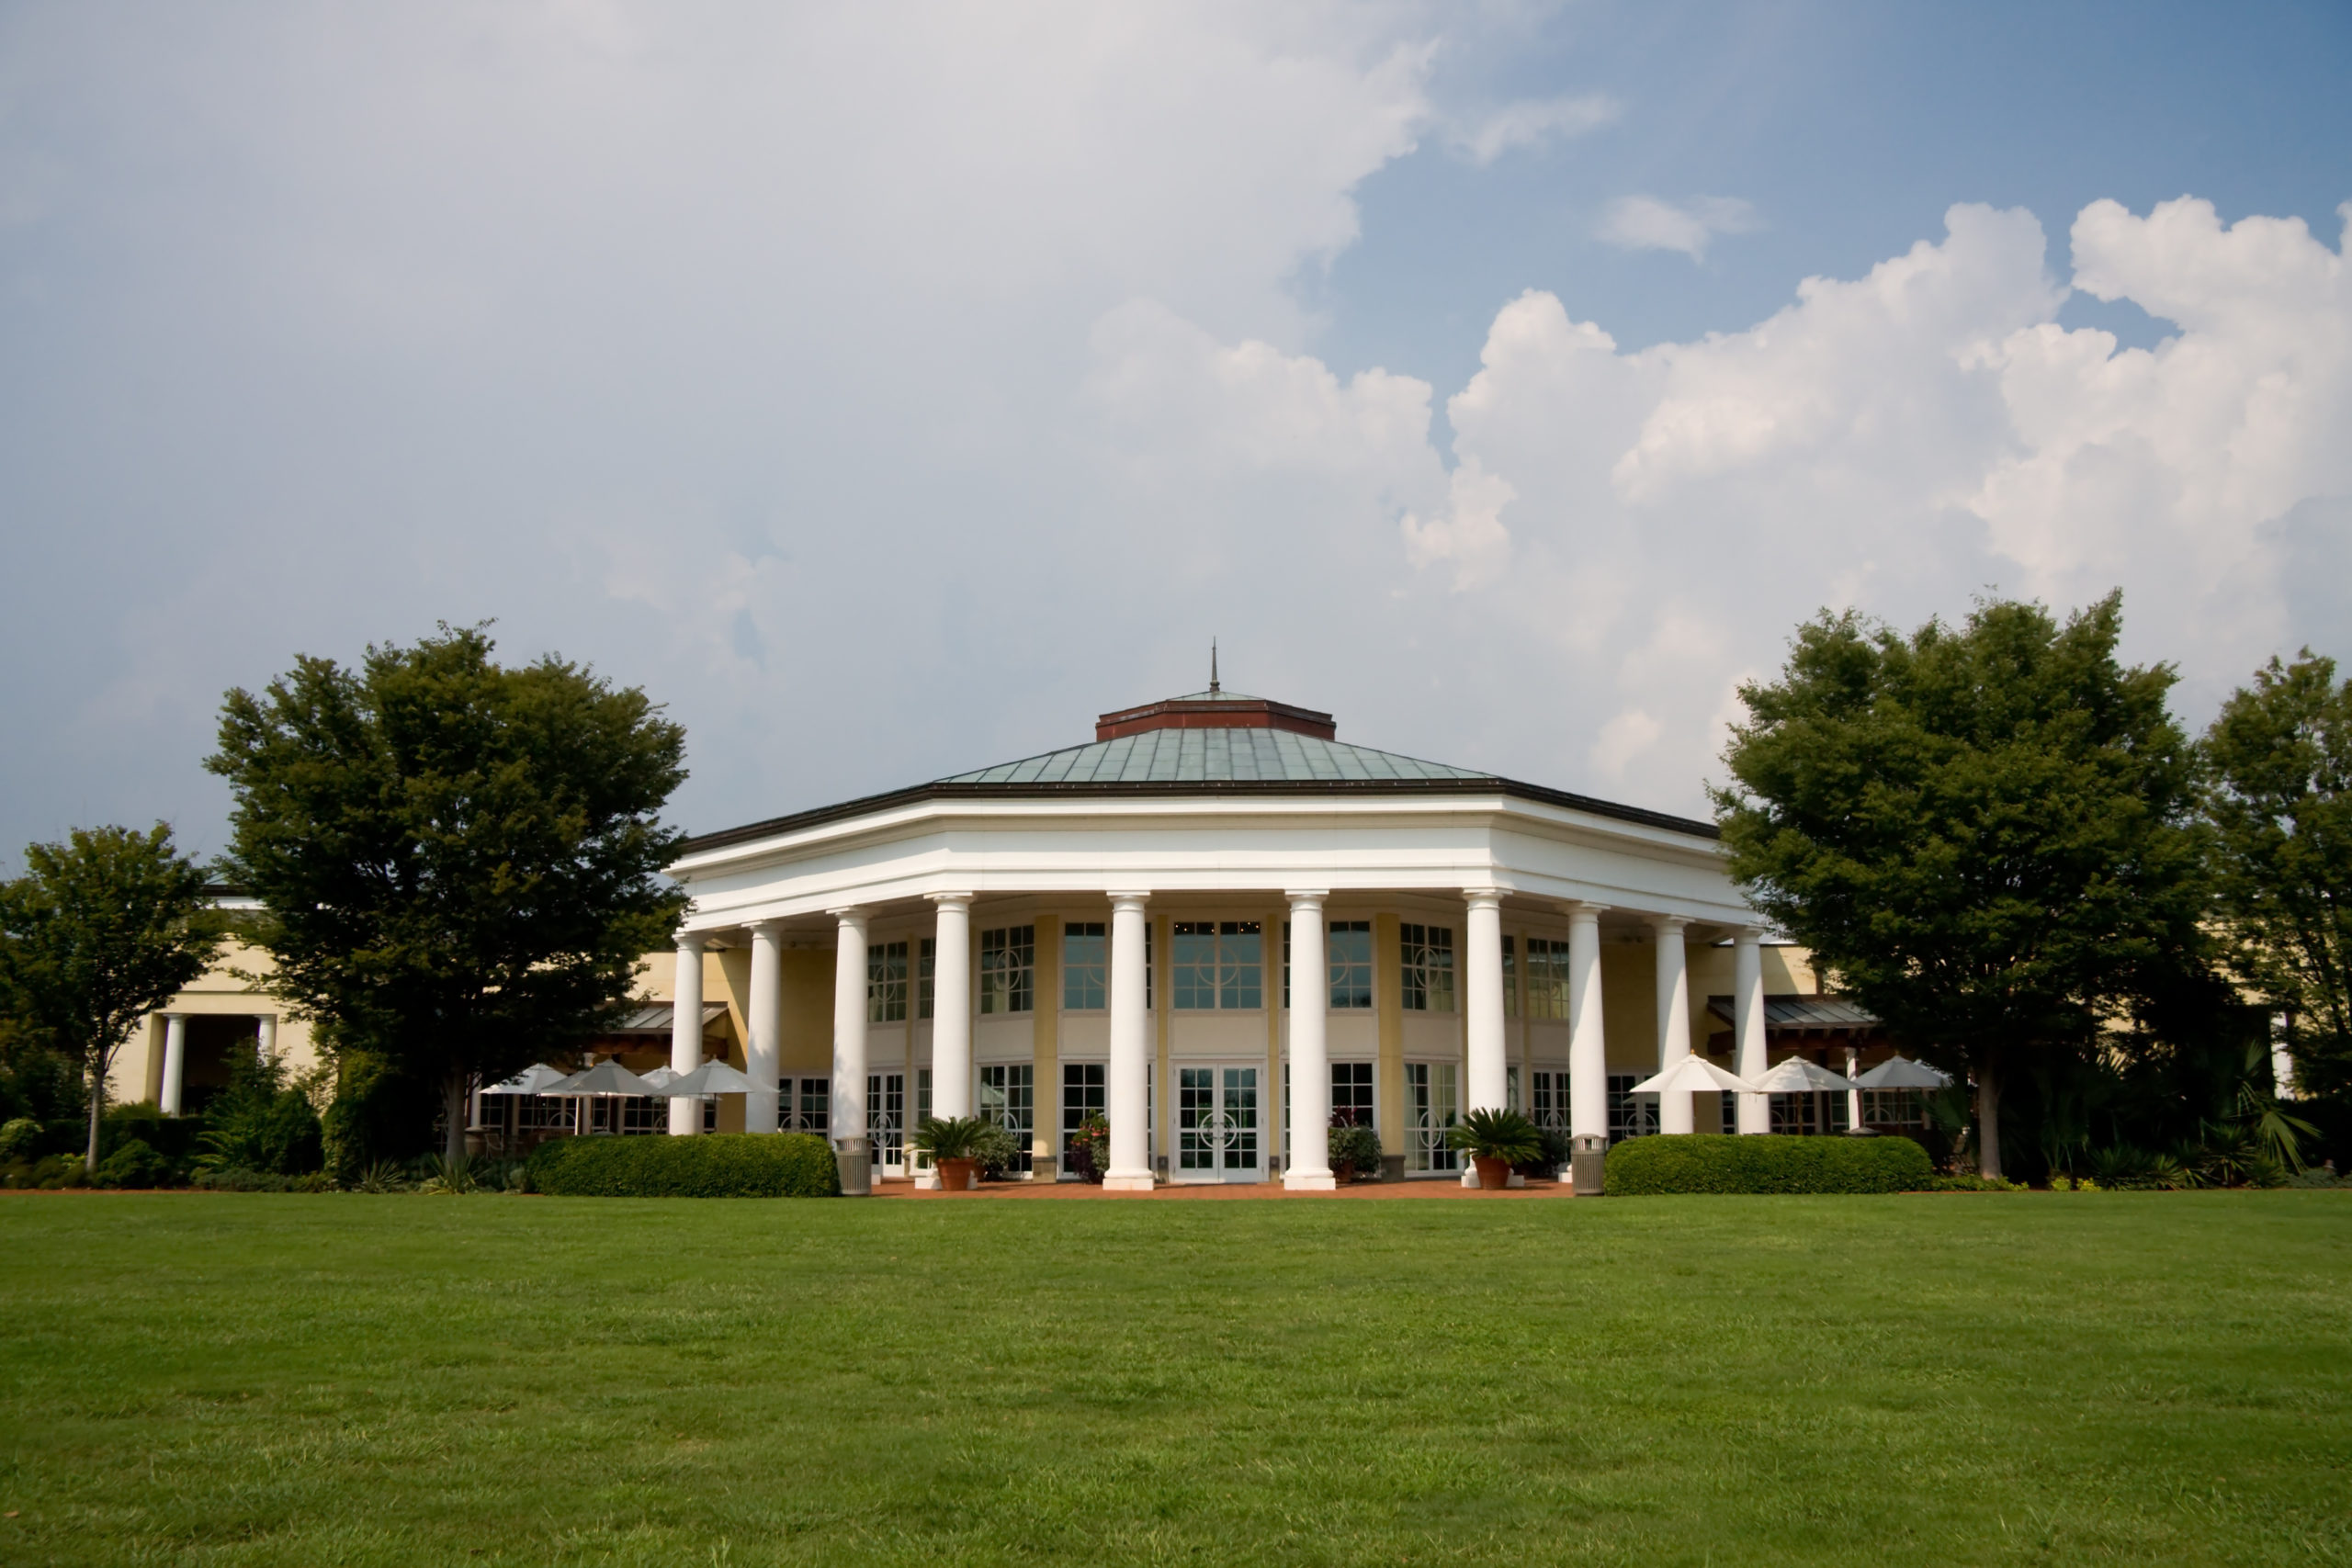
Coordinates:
1355 1145
20 1139
178 1139
1969 1181
710 1165
134 1163
997 1150
53 1171
1717 1162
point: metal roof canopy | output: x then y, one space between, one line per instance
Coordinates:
1825 1015
1164 764
659 1018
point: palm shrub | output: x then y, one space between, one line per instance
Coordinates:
952 1137
1505 1136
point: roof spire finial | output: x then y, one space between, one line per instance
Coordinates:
1212 667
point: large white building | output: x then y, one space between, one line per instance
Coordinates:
1117 926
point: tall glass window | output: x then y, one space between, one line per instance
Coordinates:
1219 966
1631 1115
1547 979
1086 966
1085 1092
1350 942
929 957
1433 1105
1551 1107
1009 969
802 1105
1352 1092
1009 1098
1510 978
885 982
1349 946
1429 970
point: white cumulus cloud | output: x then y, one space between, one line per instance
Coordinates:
1623 536
1652 223
1531 123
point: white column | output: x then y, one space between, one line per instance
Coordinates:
1853 1096
266 1037
1673 1020
1587 1044
1747 1024
1310 1056
848 1116
1127 1091
174 1061
1482 1001
951 1007
763 1053
685 1030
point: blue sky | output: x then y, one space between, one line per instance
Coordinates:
1850 128
890 388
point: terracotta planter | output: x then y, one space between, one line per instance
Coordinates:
1494 1175
956 1175
1343 1172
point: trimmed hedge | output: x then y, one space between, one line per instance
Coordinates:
1719 1162
710 1164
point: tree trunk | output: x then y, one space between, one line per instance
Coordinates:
453 1100
97 1107
1988 1120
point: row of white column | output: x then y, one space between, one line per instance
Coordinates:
171 1093
1130 1044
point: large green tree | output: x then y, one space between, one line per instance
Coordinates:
459 861
100 931
1984 833
2279 762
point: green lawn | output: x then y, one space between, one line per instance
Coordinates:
1933 1380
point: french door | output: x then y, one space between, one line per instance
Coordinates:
1008 1098
885 1120
1433 1105
1218 1136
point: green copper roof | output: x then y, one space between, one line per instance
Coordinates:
1199 756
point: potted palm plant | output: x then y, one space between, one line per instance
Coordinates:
954 1145
1494 1141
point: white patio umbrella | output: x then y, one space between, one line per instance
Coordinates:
661 1076
605 1079
1901 1072
1797 1075
711 1077
537 1078
1694 1073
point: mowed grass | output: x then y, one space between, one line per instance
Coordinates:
343 1379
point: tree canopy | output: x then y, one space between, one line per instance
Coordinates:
459 861
1983 833
100 931
2279 762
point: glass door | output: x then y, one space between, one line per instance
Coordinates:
1433 1105
1218 1137
1009 1098
885 1120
